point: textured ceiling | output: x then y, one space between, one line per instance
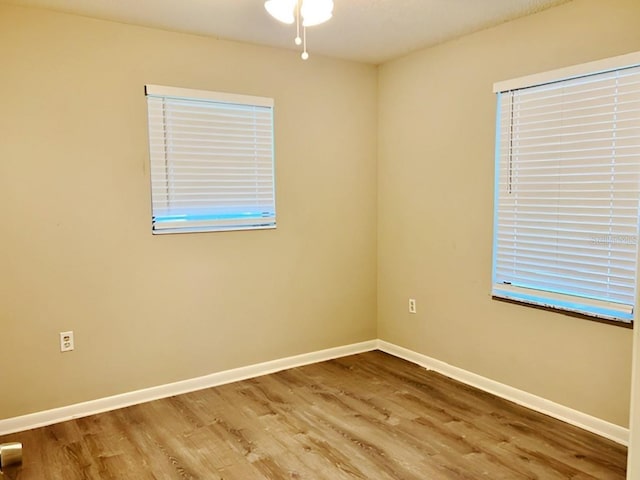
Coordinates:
372 31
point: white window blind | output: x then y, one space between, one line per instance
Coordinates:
212 165
567 192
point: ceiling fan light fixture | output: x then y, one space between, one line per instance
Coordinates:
281 10
315 12
311 12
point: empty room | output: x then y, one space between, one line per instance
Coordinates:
348 239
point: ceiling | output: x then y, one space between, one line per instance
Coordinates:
371 31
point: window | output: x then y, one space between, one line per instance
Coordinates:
567 189
211 160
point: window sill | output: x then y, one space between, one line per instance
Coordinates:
617 323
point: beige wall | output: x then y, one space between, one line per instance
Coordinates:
77 251
435 198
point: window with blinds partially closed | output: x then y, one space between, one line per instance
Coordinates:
567 192
212 165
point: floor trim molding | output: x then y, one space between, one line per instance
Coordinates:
574 417
84 409
48 417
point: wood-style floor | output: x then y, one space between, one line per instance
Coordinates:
368 416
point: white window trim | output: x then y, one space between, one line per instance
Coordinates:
566 73
606 310
221 97
187 222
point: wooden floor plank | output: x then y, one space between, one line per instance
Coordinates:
369 416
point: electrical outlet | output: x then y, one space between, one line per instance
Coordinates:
412 305
66 341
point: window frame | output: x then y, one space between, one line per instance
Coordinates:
588 307
225 181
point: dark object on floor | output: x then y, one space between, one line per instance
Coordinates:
10 455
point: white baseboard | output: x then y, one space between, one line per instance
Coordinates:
587 422
539 404
56 415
